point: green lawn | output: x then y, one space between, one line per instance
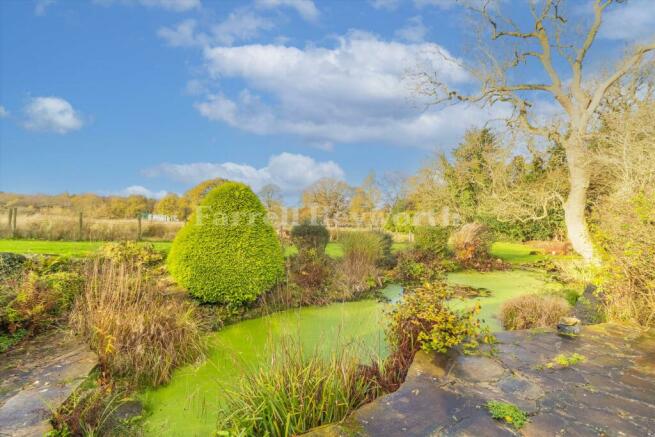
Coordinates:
515 253
69 248
511 252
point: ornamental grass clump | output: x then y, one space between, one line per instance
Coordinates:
533 311
227 253
295 393
138 331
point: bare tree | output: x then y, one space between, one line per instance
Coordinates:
551 44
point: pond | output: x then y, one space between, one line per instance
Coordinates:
187 405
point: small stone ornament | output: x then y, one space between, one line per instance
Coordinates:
568 326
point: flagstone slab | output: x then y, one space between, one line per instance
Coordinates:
610 393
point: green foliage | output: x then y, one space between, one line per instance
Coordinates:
508 413
362 245
424 316
295 393
417 266
569 360
38 300
432 239
357 270
10 339
11 264
307 236
132 252
387 259
227 253
625 236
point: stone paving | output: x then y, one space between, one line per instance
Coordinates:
36 378
610 393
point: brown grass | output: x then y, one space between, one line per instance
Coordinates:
533 311
138 331
66 227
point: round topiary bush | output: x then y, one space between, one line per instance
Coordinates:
307 236
227 253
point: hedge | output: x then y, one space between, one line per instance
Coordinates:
227 252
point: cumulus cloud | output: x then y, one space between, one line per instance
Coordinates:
414 31
306 8
354 92
630 21
3 112
51 114
291 172
140 190
171 5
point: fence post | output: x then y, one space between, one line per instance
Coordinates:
80 227
13 224
138 233
11 220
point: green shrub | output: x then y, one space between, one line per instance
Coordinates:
424 317
417 266
472 244
625 234
433 239
508 413
41 300
307 236
227 253
11 264
132 252
387 259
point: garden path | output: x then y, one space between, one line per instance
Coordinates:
610 393
36 377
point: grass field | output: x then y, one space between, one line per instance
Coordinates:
68 248
515 253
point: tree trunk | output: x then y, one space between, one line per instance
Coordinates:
576 203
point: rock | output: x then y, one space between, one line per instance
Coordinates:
611 393
37 377
477 369
569 326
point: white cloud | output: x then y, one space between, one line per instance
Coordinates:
51 114
354 92
240 25
443 4
291 172
142 191
41 6
182 35
306 8
633 20
414 31
171 5
3 112
389 5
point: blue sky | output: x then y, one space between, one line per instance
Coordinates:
149 96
